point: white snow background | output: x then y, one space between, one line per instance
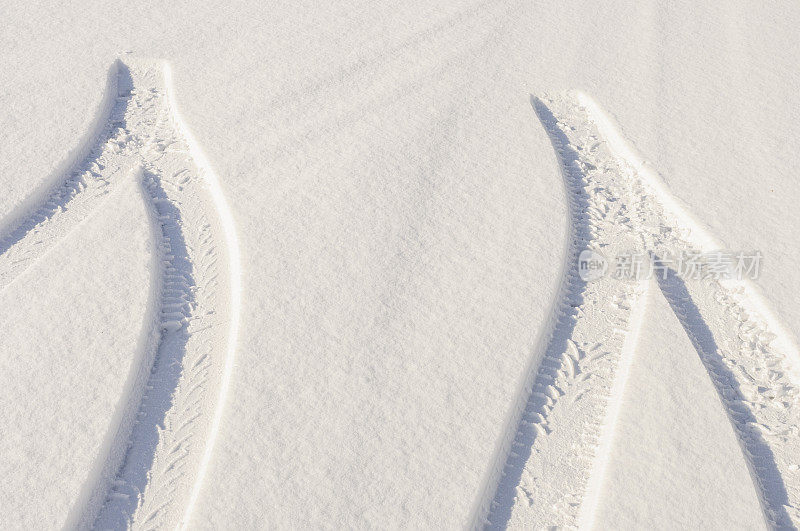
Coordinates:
402 224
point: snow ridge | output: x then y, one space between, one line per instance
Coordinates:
554 471
149 472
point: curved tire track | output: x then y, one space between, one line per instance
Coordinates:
547 466
552 471
153 471
101 166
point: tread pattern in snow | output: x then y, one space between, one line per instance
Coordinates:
552 470
152 472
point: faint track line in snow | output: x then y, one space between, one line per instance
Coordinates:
151 470
620 203
465 35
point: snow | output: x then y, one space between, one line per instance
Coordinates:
68 373
673 445
403 229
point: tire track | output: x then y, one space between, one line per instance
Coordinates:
749 354
151 474
95 175
553 470
178 416
760 404
548 462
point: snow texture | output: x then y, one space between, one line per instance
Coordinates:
306 264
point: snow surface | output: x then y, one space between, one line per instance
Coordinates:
404 225
67 372
654 456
